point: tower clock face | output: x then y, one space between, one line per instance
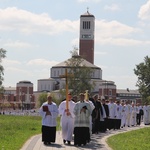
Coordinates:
86 36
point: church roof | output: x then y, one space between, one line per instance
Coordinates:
83 63
87 14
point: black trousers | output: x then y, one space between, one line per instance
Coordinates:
138 119
48 134
111 123
81 135
117 123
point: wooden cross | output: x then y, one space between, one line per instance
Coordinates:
86 95
66 75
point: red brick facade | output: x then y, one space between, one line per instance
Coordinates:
87 50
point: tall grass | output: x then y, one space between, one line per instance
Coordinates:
16 130
133 140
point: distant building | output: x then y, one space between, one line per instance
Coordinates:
24 95
126 94
19 97
86 51
55 82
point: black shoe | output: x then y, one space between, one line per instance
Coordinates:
64 141
69 142
45 143
49 143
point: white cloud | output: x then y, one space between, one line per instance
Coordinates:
17 44
124 81
92 1
113 7
100 53
8 62
144 13
113 29
75 42
15 71
121 41
116 33
40 62
14 19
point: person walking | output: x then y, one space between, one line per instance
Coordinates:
123 114
118 115
128 113
133 114
112 114
82 112
95 114
138 114
67 119
105 123
49 113
146 114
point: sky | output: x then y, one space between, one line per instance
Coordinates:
38 34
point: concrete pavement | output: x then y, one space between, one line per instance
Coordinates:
98 141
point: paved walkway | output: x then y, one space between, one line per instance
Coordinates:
98 141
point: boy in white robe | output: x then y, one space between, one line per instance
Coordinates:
133 115
49 113
118 115
128 113
123 114
146 114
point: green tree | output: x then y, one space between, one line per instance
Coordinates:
42 98
80 79
142 71
2 55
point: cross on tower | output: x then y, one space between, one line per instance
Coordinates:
87 9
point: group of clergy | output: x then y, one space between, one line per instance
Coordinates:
82 116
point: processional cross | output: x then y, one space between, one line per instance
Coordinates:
66 75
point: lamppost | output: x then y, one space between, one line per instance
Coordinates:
22 95
21 98
30 100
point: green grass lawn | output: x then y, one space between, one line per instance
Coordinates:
16 130
133 140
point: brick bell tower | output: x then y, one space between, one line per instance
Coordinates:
86 42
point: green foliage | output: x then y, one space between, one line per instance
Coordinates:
2 55
133 140
142 71
62 96
81 74
16 130
42 98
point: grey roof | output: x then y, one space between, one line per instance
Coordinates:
25 81
87 14
83 63
10 88
125 91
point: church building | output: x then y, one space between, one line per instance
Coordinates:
86 51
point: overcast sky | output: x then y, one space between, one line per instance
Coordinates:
39 34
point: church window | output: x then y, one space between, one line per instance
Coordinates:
110 92
86 25
54 73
